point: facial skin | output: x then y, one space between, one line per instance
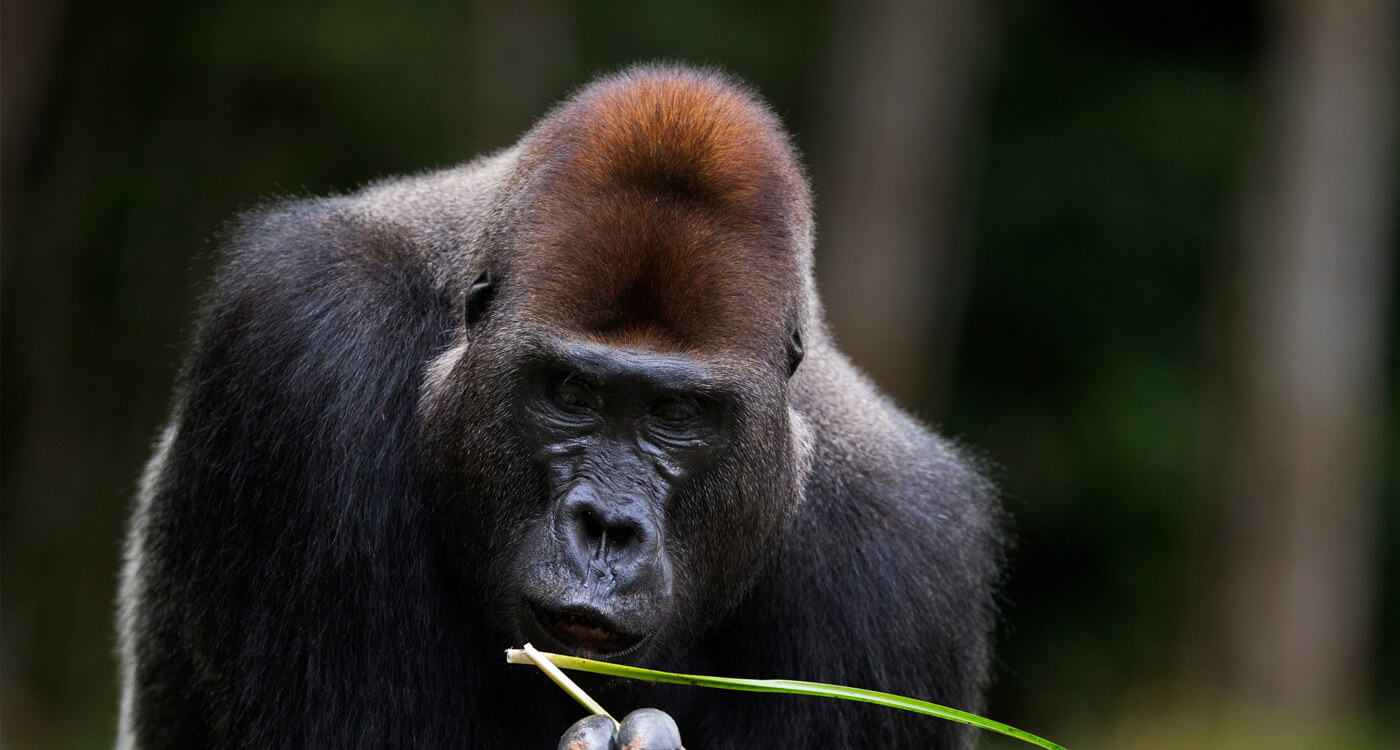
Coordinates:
618 432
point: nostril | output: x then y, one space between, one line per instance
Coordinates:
622 535
588 521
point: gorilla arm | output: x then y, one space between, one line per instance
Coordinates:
280 552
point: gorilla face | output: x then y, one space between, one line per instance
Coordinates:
618 433
603 498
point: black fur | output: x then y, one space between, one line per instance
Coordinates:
323 539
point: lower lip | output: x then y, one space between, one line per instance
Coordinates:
532 614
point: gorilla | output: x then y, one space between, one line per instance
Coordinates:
579 393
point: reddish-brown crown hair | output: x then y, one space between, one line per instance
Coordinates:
664 206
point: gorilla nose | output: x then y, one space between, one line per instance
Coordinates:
616 533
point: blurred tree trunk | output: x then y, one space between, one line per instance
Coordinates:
29 30
1304 381
522 55
898 99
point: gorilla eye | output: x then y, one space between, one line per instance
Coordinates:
676 411
575 395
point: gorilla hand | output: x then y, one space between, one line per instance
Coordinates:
643 729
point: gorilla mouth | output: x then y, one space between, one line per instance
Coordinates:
585 631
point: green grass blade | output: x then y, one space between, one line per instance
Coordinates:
794 687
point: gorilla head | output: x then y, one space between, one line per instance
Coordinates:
610 438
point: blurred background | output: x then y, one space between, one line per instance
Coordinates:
1140 255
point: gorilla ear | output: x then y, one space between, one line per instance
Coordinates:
795 352
478 297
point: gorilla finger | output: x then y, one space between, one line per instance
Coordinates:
649 729
589 733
